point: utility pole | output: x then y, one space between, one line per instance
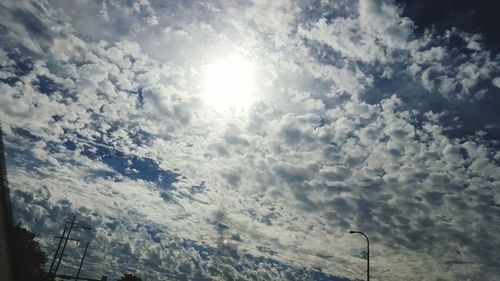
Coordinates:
71 226
81 263
58 247
63 240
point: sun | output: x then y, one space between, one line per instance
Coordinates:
229 83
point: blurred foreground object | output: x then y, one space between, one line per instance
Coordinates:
5 219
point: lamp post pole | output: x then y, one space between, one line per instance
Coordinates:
367 253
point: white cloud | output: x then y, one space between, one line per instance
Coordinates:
496 82
318 154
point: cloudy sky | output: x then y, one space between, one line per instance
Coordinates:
243 140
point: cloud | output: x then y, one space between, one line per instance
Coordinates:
496 82
360 123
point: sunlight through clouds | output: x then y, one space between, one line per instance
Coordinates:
229 83
243 140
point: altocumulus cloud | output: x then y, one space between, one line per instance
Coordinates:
360 123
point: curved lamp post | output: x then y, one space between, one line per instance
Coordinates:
367 253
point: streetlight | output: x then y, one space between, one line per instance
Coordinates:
367 253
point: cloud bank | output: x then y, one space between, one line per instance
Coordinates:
360 123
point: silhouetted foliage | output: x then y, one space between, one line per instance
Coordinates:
28 259
129 277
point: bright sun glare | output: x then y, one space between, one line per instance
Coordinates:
229 83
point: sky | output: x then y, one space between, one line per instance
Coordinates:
243 140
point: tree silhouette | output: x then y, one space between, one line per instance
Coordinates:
129 277
28 259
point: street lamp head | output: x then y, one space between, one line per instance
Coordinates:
352 231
